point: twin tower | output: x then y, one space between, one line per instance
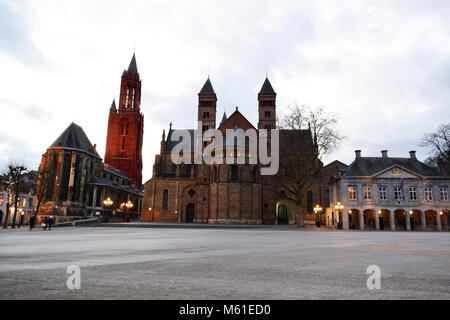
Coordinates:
207 106
126 122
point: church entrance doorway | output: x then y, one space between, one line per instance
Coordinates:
283 215
190 210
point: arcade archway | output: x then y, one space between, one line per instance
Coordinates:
400 220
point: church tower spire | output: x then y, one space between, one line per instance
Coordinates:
207 102
126 127
267 100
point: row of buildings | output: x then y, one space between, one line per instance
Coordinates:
372 193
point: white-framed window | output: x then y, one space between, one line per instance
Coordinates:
413 193
397 193
383 193
367 192
444 193
352 193
428 194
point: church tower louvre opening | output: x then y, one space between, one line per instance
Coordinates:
126 126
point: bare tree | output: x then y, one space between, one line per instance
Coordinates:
300 164
439 145
42 188
12 183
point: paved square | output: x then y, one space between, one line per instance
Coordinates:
187 263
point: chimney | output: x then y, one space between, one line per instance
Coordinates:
412 155
358 154
384 153
95 147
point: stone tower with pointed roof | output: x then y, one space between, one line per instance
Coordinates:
225 193
267 99
126 127
207 101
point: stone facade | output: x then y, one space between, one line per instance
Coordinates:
390 194
224 193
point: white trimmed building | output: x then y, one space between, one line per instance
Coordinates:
383 193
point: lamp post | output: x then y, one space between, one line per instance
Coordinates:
129 205
339 208
318 210
108 204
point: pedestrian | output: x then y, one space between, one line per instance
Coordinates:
44 224
50 223
32 222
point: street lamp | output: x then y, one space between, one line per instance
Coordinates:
318 210
108 204
339 208
129 205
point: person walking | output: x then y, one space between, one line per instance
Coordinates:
45 224
32 222
50 223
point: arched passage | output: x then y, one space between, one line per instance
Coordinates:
369 219
353 219
430 217
416 223
283 215
190 213
385 219
400 220
445 220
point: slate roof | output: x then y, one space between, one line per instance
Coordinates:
113 105
207 88
116 171
98 181
133 65
74 138
291 141
369 166
224 118
267 88
169 144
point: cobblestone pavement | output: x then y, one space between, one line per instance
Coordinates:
187 263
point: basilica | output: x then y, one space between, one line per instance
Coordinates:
226 193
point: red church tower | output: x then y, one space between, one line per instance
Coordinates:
126 127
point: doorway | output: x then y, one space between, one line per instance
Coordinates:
190 210
282 215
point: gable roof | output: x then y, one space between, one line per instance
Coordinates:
267 88
74 138
236 120
369 166
207 88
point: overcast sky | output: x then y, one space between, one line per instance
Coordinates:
382 66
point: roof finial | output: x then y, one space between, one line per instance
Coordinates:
171 126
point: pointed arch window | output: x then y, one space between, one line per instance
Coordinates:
127 98
234 173
133 97
165 200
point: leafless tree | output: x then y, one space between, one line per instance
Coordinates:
300 164
42 188
439 145
12 183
